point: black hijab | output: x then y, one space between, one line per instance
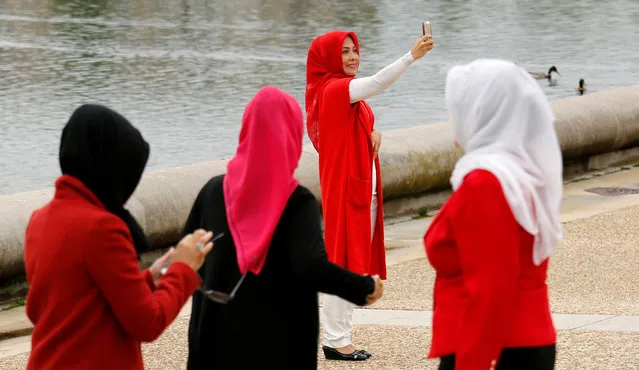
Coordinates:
104 151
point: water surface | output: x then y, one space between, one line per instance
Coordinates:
183 71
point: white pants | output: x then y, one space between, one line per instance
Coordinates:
337 313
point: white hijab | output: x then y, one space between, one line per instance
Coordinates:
504 124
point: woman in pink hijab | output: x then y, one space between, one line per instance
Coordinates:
262 279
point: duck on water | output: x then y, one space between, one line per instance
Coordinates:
542 75
581 89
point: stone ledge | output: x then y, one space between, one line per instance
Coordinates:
595 130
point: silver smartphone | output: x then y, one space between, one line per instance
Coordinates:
199 246
426 30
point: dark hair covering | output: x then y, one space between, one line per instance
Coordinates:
104 151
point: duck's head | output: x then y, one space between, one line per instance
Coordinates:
582 87
553 69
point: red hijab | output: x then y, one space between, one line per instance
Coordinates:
323 64
259 178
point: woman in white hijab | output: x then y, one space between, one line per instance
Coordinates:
491 241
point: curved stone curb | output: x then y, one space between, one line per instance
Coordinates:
415 161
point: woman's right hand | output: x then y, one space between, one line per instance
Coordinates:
187 250
377 293
422 46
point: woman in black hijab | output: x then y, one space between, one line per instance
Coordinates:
103 150
90 304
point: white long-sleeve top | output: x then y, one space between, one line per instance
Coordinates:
367 87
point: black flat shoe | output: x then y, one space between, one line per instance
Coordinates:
333 354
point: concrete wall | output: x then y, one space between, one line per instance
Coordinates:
596 130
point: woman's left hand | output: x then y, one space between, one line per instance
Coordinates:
376 139
377 292
156 267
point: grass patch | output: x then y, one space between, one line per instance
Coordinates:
13 289
421 213
20 302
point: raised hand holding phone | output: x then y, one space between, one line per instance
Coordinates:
425 43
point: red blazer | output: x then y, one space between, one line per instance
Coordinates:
90 304
488 293
345 172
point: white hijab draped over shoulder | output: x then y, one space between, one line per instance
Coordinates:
504 123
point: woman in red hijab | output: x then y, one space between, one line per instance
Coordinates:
349 167
270 270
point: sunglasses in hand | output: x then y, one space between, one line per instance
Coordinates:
214 295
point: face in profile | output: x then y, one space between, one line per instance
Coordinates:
350 58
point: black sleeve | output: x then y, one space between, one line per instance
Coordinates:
194 220
197 218
309 261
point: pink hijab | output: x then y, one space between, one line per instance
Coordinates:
259 178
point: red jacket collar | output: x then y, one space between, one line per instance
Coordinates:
69 187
